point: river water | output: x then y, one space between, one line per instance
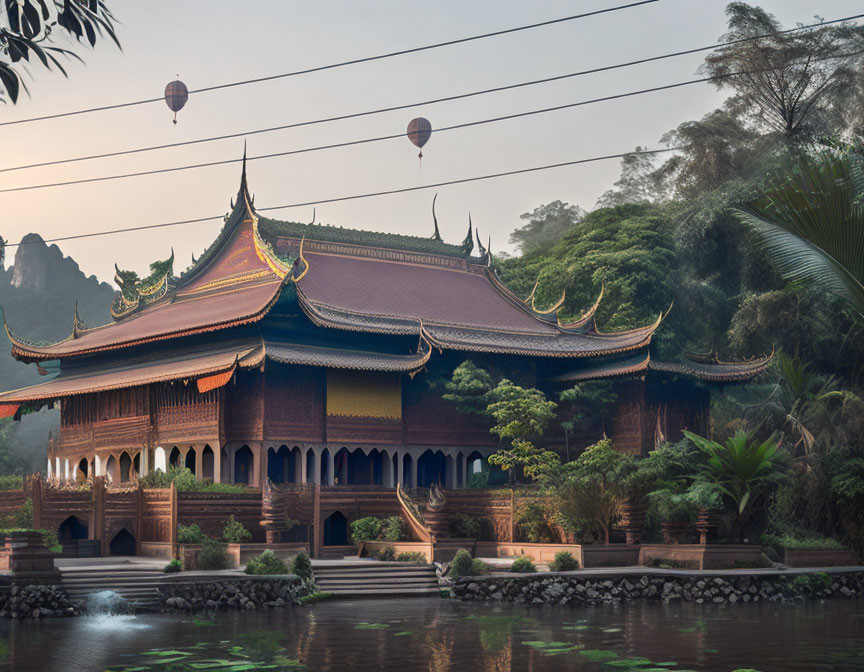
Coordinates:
438 635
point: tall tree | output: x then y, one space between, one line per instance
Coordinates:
786 83
545 225
27 29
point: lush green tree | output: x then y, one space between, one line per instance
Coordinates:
587 407
786 83
641 181
545 225
28 29
469 387
743 469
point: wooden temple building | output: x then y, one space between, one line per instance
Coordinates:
301 355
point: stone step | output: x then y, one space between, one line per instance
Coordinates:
347 585
378 592
421 571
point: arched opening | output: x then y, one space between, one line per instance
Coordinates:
123 543
174 459
448 472
336 530
325 467
159 462
407 482
136 464
310 466
83 469
243 463
189 462
111 469
340 467
125 467
280 465
207 463
431 468
71 529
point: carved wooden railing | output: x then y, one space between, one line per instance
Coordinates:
415 519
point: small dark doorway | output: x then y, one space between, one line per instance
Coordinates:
207 463
243 460
123 543
190 461
174 458
72 528
280 465
336 530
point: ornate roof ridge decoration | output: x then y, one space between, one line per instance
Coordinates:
146 291
386 254
555 307
18 342
468 242
301 259
719 372
348 358
78 325
585 323
437 234
607 369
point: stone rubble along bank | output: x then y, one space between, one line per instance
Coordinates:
702 589
241 595
36 601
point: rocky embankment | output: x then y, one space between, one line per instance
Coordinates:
702 589
36 601
243 595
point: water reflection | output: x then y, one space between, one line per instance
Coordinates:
438 635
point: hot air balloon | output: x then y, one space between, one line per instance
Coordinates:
176 95
419 131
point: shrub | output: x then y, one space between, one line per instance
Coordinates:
266 563
235 532
190 534
465 527
393 528
479 481
185 481
24 514
418 558
479 568
52 543
174 566
213 555
564 562
11 482
523 565
461 564
810 543
387 554
531 522
365 529
301 565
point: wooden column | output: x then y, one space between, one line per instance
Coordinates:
139 518
97 513
451 471
172 523
35 484
331 466
413 472
303 466
217 462
400 466
199 462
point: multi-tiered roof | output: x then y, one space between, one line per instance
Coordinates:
221 314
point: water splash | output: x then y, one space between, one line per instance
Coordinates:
107 603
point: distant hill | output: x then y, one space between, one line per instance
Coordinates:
38 294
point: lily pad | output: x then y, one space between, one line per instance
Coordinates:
166 653
404 633
371 626
203 624
611 629
629 662
597 655
576 627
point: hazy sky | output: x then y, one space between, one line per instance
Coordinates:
214 41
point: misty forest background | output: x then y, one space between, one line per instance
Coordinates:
666 233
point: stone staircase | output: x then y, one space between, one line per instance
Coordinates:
135 583
360 578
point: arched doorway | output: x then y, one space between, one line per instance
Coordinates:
111 469
243 463
123 543
280 465
336 530
174 458
159 462
136 463
431 468
83 468
310 466
407 482
72 528
325 467
190 460
207 463
125 467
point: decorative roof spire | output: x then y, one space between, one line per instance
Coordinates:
483 250
437 234
468 243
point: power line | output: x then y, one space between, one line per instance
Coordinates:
348 143
469 124
341 64
354 197
432 101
